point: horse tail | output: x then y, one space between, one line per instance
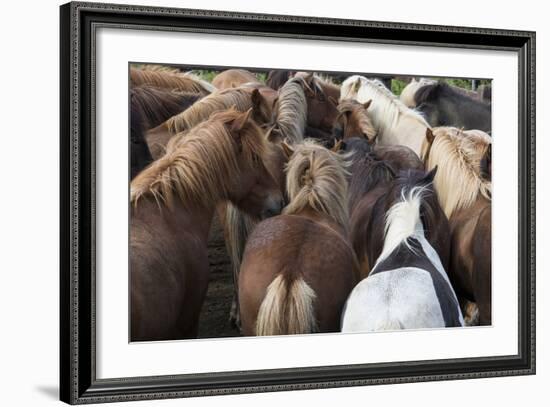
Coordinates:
287 308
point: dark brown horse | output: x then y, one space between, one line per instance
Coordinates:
233 78
465 194
290 281
371 180
172 205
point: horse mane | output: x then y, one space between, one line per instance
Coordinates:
408 93
412 212
317 179
290 117
457 155
357 113
167 80
200 111
367 173
429 91
198 167
159 68
157 105
385 109
277 78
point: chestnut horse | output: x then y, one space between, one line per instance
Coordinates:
298 268
371 181
172 205
233 78
353 121
465 195
241 99
408 287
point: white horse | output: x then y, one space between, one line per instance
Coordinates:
408 287
394 122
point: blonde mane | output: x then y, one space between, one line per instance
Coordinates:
386 108
200 167
202 109
168 80
317 179
457 155
291 113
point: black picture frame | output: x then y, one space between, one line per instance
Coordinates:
78 382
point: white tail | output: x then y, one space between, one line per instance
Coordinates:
287 308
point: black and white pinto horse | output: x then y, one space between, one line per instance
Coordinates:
408 287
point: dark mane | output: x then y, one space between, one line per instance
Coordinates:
439 89
140 156
277 78
157 105
367 170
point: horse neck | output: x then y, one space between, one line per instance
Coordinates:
191 219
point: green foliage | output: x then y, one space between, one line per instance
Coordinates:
397 86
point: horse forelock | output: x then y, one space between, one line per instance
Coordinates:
199 167
458 157
357 115
317 179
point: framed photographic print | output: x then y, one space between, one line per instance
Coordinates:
255 203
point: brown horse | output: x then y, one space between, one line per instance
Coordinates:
233 78
170 81
158 105
298 268
353 121
241 99
371 180
465 194
172 205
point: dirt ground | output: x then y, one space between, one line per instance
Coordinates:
214 318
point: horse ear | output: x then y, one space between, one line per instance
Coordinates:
338 145
256 98
429 177
241 120
367 104
287 149
430 136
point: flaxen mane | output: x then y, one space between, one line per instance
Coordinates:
458 155
317 179
197 169
290 114
167 80
238 98
386 109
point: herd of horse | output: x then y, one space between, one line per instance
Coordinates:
345 208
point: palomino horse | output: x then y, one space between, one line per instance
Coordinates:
233 78
408 287
290 281
465 195
172 205
241 99
170 81
371 181
395 123
445 105
353 121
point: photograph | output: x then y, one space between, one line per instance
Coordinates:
268 202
